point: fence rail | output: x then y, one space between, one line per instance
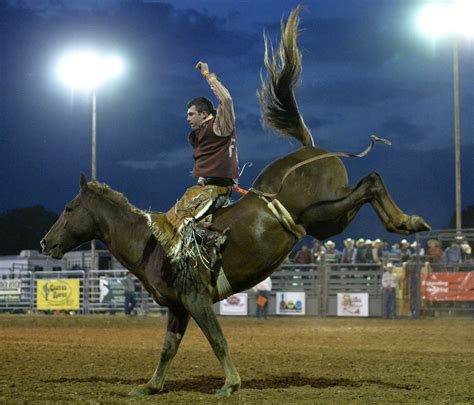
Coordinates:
101 291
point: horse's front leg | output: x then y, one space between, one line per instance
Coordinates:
178 319
200 308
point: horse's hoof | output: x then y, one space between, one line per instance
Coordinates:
143 390
412 224
422 225
227 390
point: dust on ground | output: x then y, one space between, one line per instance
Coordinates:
99 359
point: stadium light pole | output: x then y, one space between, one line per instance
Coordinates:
87 71
457 19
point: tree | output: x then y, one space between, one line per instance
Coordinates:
467 216
23 228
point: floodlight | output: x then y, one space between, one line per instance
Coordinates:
448 18
88 70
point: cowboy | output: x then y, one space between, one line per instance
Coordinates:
216 168
389 284
361 255
331 255
349 252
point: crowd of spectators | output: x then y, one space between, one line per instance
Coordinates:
366 251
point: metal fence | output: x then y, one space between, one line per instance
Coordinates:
91 299
321 284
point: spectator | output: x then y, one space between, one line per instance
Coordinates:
332 255
361 255
375 252
405 251
434 251
129 293
452 254
263 291
368 250
303 256
317 252
418 251
349 252
466 252
389 284
395 249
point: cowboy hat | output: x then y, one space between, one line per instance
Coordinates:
329 243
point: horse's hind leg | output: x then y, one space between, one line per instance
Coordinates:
200 308
178 319
370 189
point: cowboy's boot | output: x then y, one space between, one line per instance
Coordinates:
212 241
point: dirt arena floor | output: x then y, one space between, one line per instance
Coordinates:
98 359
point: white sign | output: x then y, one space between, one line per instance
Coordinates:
350 304
290 303
236 304
10 287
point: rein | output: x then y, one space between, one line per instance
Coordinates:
373 139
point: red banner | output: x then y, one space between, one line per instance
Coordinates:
456 286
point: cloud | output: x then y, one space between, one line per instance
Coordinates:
172 158
364 91
403 132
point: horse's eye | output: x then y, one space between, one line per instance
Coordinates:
68 209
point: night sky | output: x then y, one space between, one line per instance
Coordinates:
367 69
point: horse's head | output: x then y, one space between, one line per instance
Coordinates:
74 227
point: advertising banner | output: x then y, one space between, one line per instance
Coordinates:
57 294
111 290
236 304
290 303
456 286
352 304
10 290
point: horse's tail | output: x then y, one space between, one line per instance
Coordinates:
277 99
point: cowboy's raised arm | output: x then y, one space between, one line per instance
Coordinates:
224 123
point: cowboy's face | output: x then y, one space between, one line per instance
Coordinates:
195 118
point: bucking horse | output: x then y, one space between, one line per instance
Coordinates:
303 193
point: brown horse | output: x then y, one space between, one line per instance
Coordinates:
313 190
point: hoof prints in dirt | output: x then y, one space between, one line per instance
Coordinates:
208 385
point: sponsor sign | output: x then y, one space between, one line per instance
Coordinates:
456 286
10 290
352 304
236 304
57 294
111 290
290 303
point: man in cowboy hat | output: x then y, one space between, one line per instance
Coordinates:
405 252
418 251
389 284
331 255
349 252
375 252
361 255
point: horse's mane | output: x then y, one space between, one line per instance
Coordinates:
113 196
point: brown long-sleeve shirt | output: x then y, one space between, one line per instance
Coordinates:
214 143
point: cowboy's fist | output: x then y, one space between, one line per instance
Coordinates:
202 67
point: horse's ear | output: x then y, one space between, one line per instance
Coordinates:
83 183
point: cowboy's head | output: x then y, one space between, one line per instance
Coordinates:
199 110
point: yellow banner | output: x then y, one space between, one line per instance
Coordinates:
57 294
